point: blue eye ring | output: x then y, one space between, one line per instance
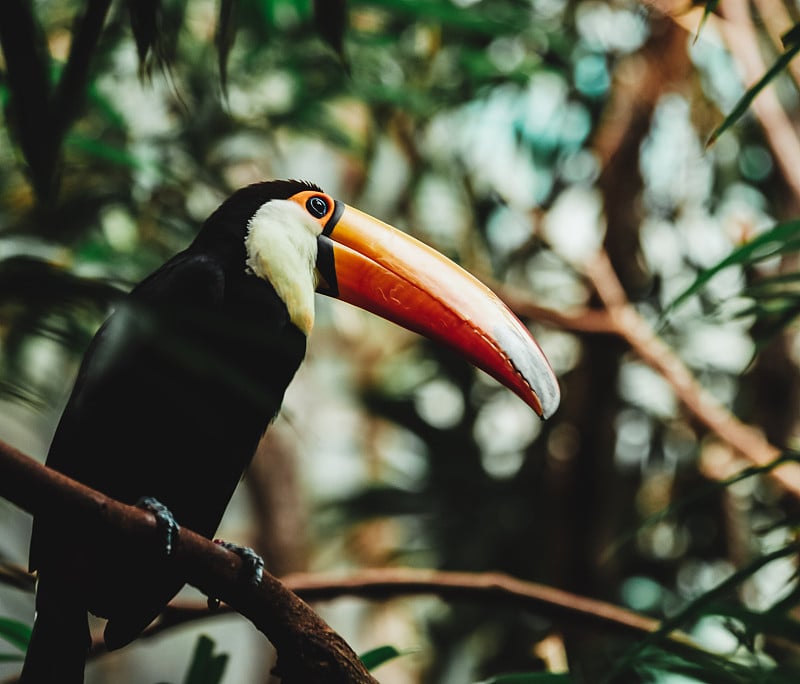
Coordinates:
317 206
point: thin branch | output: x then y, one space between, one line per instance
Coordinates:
621 318
627 322
740 35
308 649
497 588
582 320
739 32
777 21
494 588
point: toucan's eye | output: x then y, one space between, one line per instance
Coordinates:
317 206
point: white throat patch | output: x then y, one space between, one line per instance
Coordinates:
281 246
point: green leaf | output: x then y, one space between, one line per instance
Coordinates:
15 633
707 490
206 668
709 9
707 667
10 658
770 622
783 238
225 37
791 37
488 22
380 655
702 605
118 155
530 678
746 100
772 285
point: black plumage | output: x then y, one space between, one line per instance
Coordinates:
172 397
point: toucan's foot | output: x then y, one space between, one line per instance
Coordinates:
252 563
164 521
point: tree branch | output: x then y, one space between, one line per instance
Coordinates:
627 323
620 318
743 42
308 649
494 588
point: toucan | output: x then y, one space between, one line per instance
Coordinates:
186 374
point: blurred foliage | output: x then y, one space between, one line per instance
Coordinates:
517 136
18 635
207 667
376 657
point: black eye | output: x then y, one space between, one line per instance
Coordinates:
317 207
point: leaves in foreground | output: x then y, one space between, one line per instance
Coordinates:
713 603
530 678
747 99
206 667
16 633
382 654
709 667
777 241
710 8
704 492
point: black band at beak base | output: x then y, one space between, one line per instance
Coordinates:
338 210
326 265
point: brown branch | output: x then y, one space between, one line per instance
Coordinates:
583 320
308 649
620 318
382 584
627 322
495 588
742 39
740 35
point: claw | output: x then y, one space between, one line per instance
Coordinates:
252 563
164 521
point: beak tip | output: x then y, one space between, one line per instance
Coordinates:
549 400
539 385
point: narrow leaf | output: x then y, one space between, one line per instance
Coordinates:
791 37
744 103
225 38
530 678
380 655
702 604
709 9
15 633
206 668
700 494
10 658
781 239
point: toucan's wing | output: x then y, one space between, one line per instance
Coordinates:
82 445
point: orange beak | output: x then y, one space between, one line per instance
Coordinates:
376 267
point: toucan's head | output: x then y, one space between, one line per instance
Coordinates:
301 240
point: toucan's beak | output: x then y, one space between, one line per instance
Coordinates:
366 262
